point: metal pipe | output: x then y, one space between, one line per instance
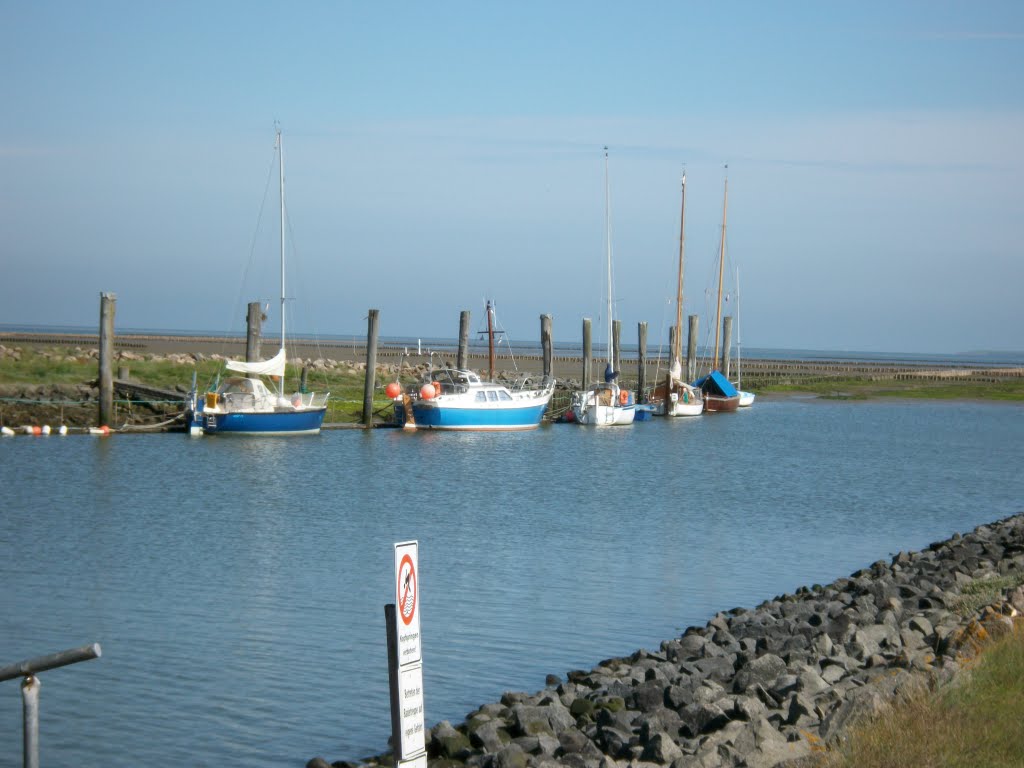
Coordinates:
30 700
30 667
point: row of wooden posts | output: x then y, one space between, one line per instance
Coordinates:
254 324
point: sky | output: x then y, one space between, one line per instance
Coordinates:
438 155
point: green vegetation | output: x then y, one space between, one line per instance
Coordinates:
863 389
976 721
981 592
56 366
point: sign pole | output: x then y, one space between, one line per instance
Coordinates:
405 661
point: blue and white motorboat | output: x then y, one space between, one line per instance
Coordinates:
245 405
457 399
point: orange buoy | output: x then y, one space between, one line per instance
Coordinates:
393 390
427 392
623 397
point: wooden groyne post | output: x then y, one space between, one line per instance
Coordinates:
253 331
30 686
371 367
726 345
615 356
641 379
463 339
691 349
545 344
108 304
588 360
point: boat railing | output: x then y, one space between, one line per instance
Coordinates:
237 401
310 400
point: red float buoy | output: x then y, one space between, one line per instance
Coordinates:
427 392
393 390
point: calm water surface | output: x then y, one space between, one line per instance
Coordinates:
237 586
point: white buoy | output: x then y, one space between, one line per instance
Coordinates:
63 429
6 432
46 429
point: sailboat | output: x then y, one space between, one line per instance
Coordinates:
245 404
719 393
746 398
458 399
605 404
675 397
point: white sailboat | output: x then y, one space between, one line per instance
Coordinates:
605 404
245 404
675 397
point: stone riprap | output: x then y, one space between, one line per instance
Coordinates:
761 687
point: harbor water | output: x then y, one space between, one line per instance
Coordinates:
237 586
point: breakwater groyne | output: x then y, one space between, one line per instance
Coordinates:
760 687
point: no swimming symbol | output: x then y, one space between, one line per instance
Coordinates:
407 590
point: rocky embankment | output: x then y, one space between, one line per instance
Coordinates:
762 687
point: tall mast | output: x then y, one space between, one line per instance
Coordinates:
490 338
280 173
608 242
677 350
721 268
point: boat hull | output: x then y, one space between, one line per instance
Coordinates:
746 399
720 404
433 415
302 422
606 415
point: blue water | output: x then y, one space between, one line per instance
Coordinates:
237 586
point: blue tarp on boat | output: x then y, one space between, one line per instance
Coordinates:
716 384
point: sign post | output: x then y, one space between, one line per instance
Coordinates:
405 660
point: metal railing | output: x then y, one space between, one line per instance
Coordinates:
30 685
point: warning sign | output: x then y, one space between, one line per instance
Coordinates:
407 601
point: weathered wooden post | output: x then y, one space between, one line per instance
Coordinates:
616 356
641 379
463 359
545 344
587 353
691 350
726 344
253 330
371 367
108 304
123 374
302 379
671 344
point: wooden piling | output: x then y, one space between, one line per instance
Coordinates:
545 344
588 359
726 344
108 305
371 367
253 331
463 339
616 357
641 379
691 349
302 379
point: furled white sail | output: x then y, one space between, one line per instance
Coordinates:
272 367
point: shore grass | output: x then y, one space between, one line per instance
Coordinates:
976 721
860 389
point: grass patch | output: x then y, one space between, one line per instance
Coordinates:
978 721
62 366
981 592
861 389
